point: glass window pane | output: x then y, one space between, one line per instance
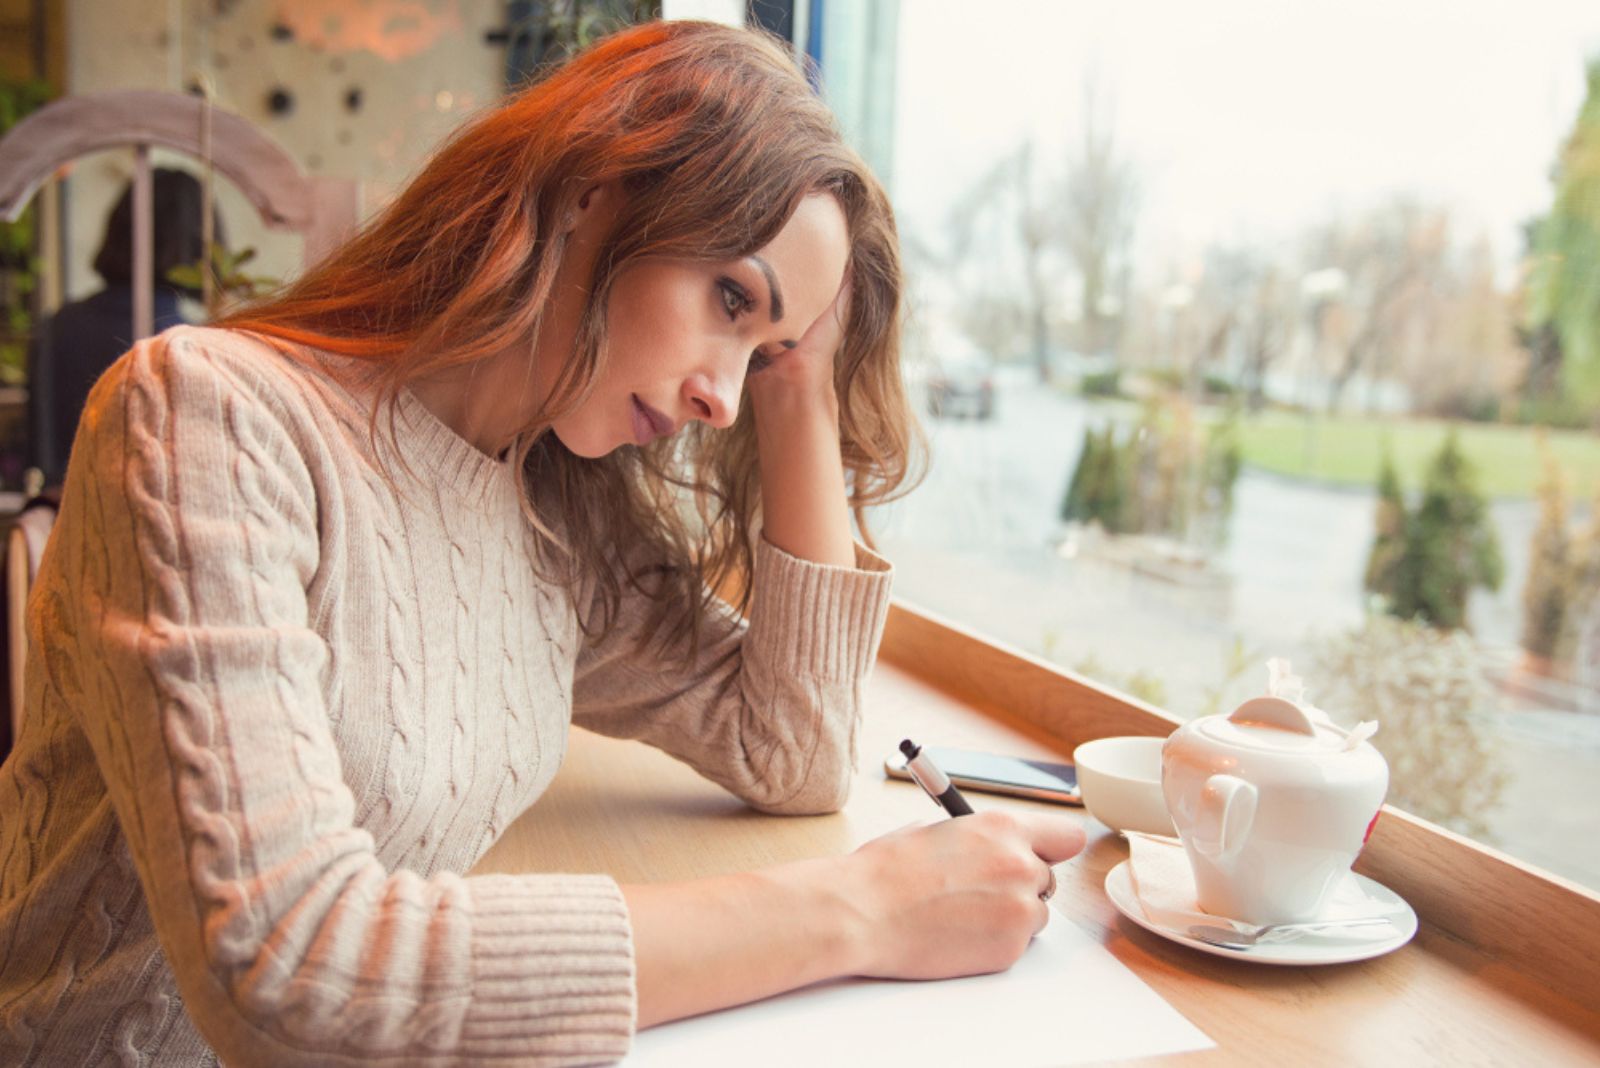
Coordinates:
1246 330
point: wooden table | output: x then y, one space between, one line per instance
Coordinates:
626 809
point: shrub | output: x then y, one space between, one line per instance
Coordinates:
1428 693
1101 384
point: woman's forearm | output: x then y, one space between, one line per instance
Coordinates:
732 939
955 897
803 498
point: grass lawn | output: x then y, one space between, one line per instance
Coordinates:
1349 450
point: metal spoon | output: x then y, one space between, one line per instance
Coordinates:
1232 938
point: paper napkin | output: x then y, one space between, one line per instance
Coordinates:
1164 884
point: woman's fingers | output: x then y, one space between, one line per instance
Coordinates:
962 896
1054 838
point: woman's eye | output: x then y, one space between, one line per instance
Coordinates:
758 361
734 299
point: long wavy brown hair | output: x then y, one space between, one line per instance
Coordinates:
715 136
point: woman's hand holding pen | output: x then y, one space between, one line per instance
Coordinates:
958 897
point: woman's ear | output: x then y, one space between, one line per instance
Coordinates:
595 205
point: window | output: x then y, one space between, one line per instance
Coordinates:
1186 281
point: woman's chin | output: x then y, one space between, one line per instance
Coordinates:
589 446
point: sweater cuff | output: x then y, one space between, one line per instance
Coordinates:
553 970
818 619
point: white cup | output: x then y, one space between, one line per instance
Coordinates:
1120 779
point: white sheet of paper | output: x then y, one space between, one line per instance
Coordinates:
1066 1001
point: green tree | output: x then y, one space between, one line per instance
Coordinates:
1072 505
1564 284
1450 548
1389 542
1099 488
19 266
1544 597
1167 478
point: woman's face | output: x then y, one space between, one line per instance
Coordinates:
682 335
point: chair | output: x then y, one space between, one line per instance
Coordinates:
323 210
25 540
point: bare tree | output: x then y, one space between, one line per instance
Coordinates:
1394 260
1097 211
1242 313
1268 317
1475 362
1022 230
1215 312
1005 260
992 306
1037 233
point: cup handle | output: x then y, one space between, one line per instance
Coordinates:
1226 812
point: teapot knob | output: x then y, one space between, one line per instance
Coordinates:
1274 712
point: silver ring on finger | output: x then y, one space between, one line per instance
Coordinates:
1050 887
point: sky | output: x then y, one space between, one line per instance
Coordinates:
1252 119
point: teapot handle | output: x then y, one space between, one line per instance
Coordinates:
1274 712
1225 815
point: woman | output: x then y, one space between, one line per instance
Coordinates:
288 677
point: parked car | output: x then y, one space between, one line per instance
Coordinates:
962 386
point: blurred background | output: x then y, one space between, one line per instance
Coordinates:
1240 329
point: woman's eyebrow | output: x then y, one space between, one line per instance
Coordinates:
772 284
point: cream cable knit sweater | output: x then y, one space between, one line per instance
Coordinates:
274 712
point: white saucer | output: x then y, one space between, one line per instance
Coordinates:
1306 950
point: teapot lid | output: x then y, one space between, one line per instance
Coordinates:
1274 724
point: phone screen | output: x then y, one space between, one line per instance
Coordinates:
1002 774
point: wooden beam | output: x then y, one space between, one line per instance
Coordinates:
1012 684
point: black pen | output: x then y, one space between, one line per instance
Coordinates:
934 782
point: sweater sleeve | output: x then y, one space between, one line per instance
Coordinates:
768 708
190 526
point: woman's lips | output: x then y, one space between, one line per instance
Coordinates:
648 424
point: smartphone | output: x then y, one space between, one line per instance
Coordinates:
989 772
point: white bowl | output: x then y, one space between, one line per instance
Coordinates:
1121 783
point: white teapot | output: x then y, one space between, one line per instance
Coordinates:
1272 807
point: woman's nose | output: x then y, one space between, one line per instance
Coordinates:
714 398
